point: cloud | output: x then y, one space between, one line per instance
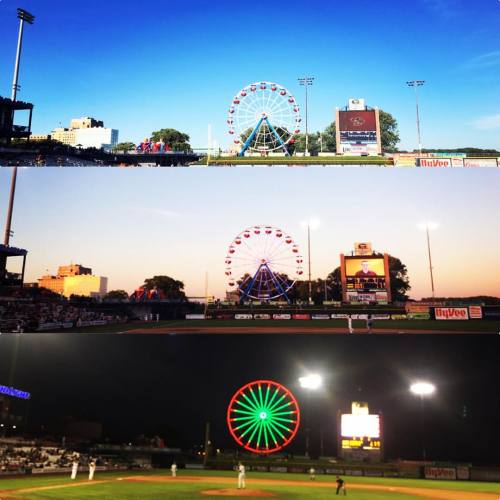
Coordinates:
489 122
487 60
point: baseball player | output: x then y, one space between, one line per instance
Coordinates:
74 468
92 466
173 469
340 485
241 476
349 324
312 474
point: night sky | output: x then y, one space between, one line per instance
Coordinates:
171 385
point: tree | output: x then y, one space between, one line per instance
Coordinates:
177 141
313 143
124 146
398 273
116 295
389 134
171 288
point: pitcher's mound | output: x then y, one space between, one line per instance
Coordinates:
233 492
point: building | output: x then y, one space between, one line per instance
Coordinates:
73 270
75 279
96 137
8 129
87 132
85 122
64 135
40 137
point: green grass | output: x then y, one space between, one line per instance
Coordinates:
403 325
112 488
298 160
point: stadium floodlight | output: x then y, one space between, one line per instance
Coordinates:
423 388
25 16
429 226
313 223
312 381
306 81
415 84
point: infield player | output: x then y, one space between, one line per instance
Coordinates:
241 476
340 485
173 469
92 466
74 468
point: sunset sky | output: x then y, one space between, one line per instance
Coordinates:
178 63
131 224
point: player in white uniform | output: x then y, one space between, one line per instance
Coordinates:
74 468
312 474
241 476
349 324
173 469
92 466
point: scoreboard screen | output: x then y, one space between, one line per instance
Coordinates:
360 432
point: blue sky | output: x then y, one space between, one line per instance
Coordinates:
130 224
178 63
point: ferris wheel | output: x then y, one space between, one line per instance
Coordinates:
263 263
263 416
263 117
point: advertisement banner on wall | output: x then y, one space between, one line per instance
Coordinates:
405 160
451 313
475 312
301 316
282 316
261 316
449 473
195 316
480 162
434 162
243 316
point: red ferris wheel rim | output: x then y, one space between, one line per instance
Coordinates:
295 420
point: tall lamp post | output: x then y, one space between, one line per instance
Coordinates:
427 226
310 224
23 17
306 81
311 382
415 84
422 390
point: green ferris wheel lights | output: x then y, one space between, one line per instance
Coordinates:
263 416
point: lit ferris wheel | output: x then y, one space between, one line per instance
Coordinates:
263 263
263 416
263 117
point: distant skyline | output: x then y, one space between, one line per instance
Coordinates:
179 63
132 224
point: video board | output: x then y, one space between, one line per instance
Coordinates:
365 278
361 432
358 132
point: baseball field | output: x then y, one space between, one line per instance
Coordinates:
213 484
296 326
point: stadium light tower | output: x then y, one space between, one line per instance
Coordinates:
23 17
427 226
306 81
310 224
422 389
415 84
310 383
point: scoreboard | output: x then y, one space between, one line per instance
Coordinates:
360 434
365 279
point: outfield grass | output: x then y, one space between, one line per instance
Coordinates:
298 160
113 488
403 325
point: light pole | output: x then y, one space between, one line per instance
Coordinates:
426 226
422 390
310 224
306 81
23 17
415 84
311 382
